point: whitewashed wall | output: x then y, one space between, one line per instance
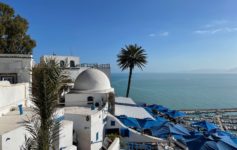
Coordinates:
13 140
82 129
65 138
97 126
12 95
66 59
75 99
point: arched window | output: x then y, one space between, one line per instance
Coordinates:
72 63
62 63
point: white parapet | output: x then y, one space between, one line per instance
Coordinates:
115 145
11 95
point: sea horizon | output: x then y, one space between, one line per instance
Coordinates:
180 90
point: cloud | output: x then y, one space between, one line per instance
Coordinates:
216 23
164 34
152 35
217 30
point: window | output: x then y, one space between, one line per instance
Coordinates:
90 100
124 132
11 77
62 63
97 136
112 123
72 63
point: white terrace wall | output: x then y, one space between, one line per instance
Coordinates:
11 95
13 139
115 145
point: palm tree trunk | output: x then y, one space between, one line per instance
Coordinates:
129 81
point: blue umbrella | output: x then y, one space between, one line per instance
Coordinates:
195 142
158 108
226 143
170 129
205 125
149 110
160 119
129 121
176 114
209 145
147 123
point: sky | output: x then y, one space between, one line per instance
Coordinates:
178 35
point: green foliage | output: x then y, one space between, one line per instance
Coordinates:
112 136
47 80
130 57
13 32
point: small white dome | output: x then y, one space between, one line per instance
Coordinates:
92 80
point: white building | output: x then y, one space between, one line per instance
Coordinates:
73 67
91 86
15 68
12 130
86 106
64 61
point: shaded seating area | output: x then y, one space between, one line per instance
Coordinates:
161 111
201 135
205 125
169 129
129 122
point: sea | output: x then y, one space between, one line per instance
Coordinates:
179 91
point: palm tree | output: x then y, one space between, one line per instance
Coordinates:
130 57
47 80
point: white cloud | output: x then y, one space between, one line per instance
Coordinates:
164 34
216 23
152 35
217 30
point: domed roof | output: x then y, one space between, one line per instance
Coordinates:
92 80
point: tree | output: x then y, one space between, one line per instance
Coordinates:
13 32
111 103
47 80
130 57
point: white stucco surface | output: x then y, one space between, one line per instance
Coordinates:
87 123
11 95
126 106
65 137
58 58
124 100
92 80
115 145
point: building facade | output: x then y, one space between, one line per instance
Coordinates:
16 68
73 67
86 105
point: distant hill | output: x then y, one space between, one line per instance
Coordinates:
233 70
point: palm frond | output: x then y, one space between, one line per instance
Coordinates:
48 79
